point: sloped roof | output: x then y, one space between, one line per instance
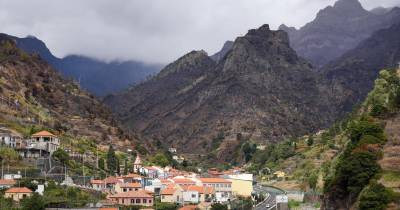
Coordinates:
43 133
18 190
96 181
7 182
200 189
168 191
214 180
132 194
183 181
133 185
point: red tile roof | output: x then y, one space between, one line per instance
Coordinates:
168 191
133 185
132 194
7 182
43 133
214 180
111 180
96 181
18 190
200 189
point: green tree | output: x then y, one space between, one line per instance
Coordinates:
313 180
310 141
218 206
126 167
375 197
35 202
160 159
112 160
166 206
101 163
61 155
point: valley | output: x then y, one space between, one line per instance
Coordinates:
290 118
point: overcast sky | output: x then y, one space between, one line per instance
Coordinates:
154 31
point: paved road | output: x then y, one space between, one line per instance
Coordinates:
271 195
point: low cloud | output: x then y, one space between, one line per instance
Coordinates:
153 31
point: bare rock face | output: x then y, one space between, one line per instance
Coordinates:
221 54
337 29
260 89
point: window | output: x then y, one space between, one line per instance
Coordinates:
144 200
23 195
193 195
163 196
124 190
149 200
122 200
132 200
137 200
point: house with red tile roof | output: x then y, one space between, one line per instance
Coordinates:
172 194
183 181
203 193
126 187
223 187
140 197
98 184
18 193
7 183
41 144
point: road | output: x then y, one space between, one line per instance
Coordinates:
271 195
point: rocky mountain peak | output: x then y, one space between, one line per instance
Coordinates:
344 9
221 54
187 62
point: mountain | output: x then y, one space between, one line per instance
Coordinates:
98 77
260 91
337 29
349 78
34 95
221 54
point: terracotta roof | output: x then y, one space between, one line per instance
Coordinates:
132 194
18 190
96 181
133 185
111 180
7 182
168 191
132 176
165 181
183 181
189 207
200 189
214 180
43 133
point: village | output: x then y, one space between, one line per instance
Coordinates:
144 186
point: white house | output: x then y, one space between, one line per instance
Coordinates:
41 144
10 138
190 196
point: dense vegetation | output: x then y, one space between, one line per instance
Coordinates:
355 174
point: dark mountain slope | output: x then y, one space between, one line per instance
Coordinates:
337 29
37 95
221 54
351 77
98 77
261 90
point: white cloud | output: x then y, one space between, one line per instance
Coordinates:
150 30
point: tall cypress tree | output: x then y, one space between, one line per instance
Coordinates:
112 161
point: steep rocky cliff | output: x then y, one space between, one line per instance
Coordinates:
337 29
260 91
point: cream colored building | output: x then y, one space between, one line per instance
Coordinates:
18 193
127 187
172 195
242 184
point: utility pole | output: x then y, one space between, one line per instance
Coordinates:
2 168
